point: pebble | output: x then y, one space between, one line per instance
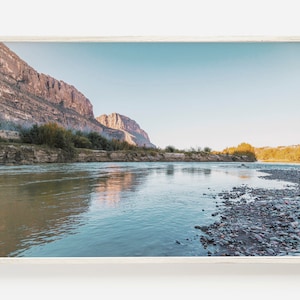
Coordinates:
258 237
202 228
265 224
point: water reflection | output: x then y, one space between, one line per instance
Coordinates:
197 171
170 170
37 208
104 209
108 189
243 174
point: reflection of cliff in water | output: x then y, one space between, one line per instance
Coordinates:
38 207
109 188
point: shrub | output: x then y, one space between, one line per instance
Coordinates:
207 150
153 153
245 149
241 149
55 136
170 148
80 141
51 135
98 142
30 135
121 145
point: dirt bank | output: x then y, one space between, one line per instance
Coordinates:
24 154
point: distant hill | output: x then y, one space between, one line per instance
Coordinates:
28 97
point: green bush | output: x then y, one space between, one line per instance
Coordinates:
153 153
53 135
170 148
121 145
99 142
207 150
81 141
30 135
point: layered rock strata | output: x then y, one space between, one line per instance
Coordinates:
28 97
23 154
133 134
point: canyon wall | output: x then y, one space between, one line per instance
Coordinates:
28 97
133 134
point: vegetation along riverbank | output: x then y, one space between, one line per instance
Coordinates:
50 143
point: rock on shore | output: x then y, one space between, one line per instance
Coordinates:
257 222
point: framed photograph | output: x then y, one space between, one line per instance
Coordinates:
160 149
27 29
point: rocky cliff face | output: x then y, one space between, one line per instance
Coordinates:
28 97
27 80
132 132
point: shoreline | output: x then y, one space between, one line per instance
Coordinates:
27 154
248 221
267 223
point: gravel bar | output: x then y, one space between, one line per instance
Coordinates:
256 221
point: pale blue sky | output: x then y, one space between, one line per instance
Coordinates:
185 94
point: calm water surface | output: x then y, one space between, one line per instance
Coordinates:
114 209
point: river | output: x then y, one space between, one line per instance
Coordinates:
115 209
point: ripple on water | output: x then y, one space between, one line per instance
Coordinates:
116 209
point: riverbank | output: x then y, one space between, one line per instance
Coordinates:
25 154
256 222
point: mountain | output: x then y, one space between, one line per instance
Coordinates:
28 97
132 131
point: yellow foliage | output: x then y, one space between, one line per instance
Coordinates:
241 149
286 154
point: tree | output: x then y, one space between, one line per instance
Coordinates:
170 148
52 135
98 142
30 135
207 149
241 149
81 141
245 149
